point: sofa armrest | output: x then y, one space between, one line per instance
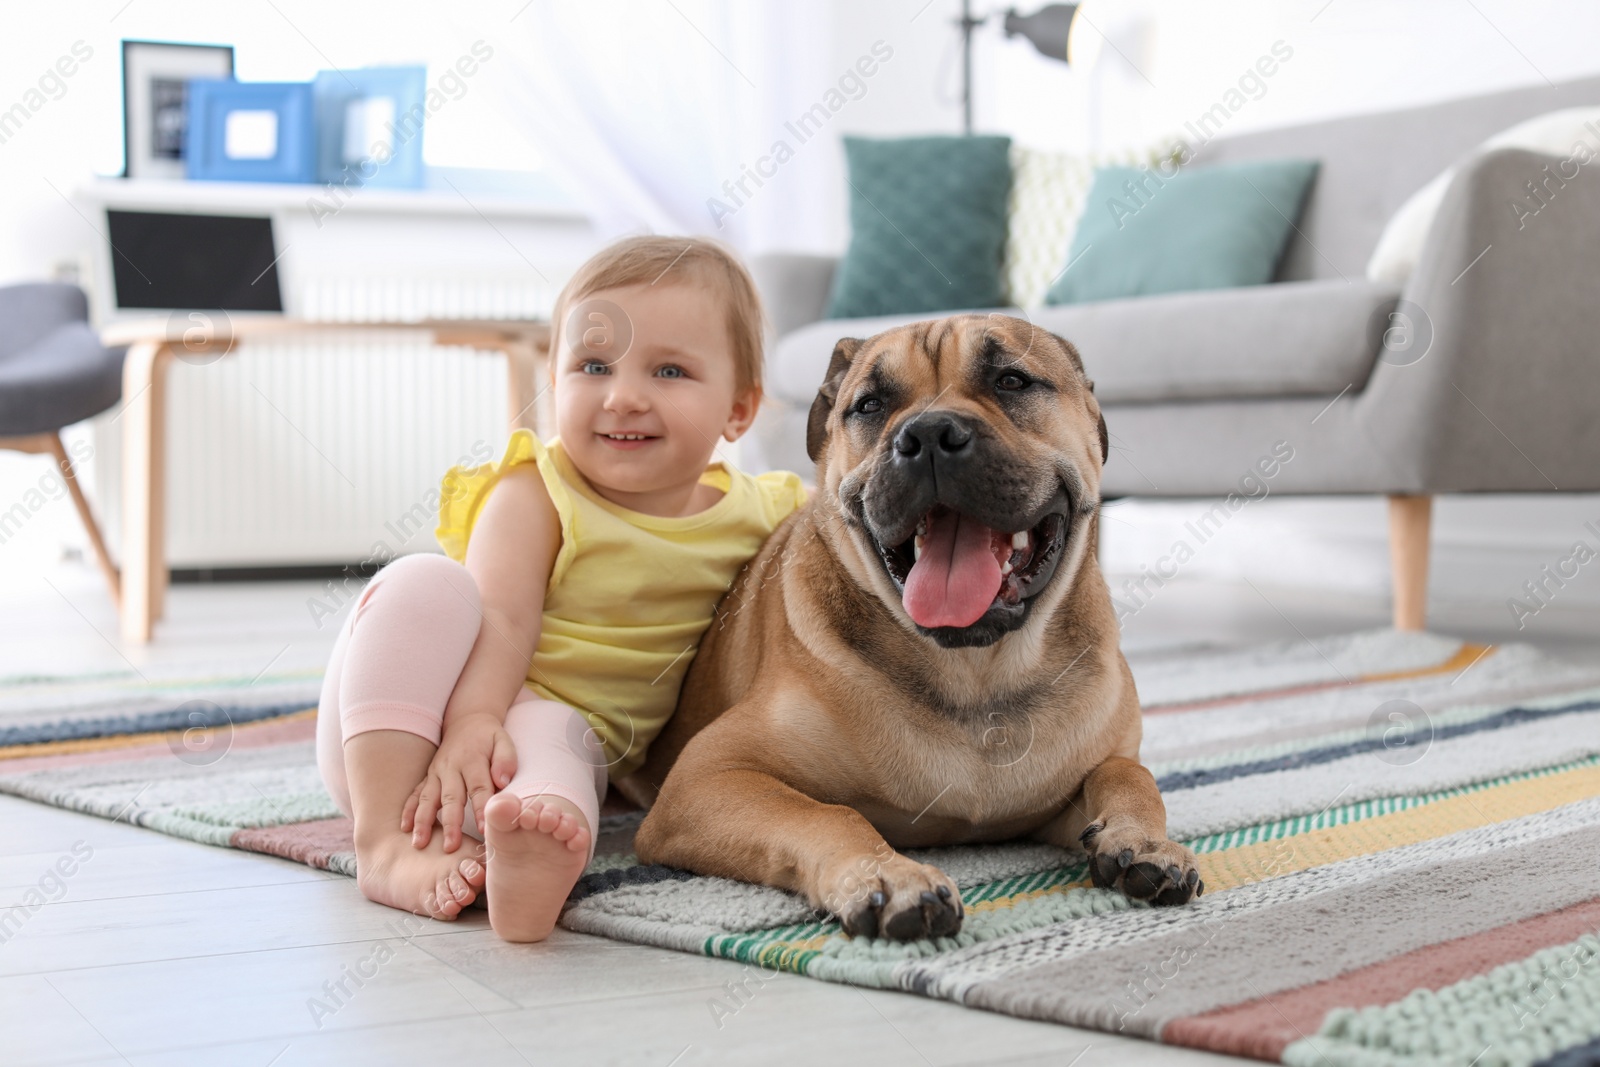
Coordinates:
1505 394
794 287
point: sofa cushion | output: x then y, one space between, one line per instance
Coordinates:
1166 229
1048 191
1293 339
927 225
1372 162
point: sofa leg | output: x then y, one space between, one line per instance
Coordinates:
1409 520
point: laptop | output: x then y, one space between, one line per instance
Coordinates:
166 262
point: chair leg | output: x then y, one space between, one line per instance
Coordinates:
1410 517
49 444
113 579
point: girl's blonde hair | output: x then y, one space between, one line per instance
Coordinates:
650 258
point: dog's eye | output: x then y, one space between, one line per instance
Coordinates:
1011 380
869 405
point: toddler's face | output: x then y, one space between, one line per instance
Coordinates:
646 417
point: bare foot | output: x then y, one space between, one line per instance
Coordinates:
424 881
537 848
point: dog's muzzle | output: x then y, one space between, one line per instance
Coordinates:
964 550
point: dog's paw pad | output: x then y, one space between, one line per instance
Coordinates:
1143 881
901 900
1159 872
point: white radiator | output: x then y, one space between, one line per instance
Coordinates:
409 295
315 451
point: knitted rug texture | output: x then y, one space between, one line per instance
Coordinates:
1399 835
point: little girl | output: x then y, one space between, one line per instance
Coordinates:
497 689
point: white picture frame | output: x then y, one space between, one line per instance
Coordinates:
153 117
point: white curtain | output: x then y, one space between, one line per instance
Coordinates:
651 113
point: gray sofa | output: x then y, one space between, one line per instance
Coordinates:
1481 375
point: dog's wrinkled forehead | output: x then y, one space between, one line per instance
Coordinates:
1018 380
960 352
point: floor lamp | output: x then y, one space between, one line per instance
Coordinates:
1052 30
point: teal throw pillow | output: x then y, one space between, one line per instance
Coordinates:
1144 232
927 225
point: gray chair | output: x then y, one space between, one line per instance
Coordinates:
53 372
1481 374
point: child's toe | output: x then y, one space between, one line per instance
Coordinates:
441 903
458 887
502 811
531 810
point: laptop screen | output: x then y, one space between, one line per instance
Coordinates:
193 261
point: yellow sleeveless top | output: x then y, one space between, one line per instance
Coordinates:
630 594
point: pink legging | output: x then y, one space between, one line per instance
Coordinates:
395 665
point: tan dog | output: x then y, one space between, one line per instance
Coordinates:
925 654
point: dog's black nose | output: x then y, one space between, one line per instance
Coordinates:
938 433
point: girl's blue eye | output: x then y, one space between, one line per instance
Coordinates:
588 363
677 372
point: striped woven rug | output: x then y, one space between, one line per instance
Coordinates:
1399 835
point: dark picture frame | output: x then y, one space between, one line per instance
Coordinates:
154 74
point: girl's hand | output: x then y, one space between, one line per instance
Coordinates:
475 759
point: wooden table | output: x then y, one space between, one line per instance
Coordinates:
153 345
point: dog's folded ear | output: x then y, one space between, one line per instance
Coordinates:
1105 440
822 406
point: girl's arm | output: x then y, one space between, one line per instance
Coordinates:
510 555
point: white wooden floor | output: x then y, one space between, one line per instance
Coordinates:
165 952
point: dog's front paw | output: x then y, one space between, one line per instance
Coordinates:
896 898
1152 869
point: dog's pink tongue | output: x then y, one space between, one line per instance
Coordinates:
957 577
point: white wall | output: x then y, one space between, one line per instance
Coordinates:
78 130
1170 59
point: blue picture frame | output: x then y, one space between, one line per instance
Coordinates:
390 102
228 131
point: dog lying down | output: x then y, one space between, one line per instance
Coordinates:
925 654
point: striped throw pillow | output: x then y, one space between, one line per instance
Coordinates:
1048 192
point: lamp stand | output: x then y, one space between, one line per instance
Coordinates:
966 23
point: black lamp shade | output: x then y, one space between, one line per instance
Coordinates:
1046 28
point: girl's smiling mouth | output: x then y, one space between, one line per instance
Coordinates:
627 440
